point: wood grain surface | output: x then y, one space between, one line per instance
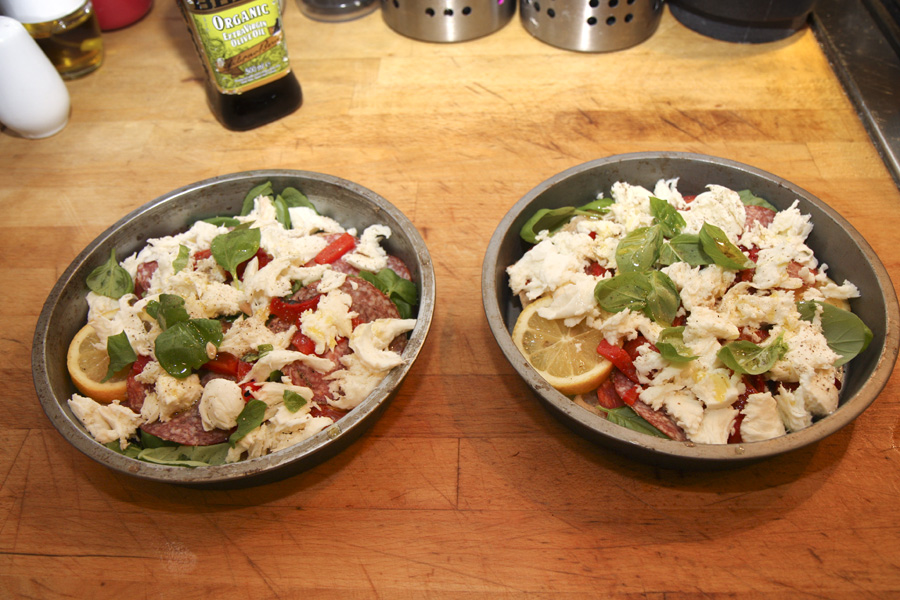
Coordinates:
466 487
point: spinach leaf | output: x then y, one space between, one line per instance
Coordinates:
684 247
626 417
402 292
181 261
639 249
182 346
725 254
263 189
672 347
748 358
131 451
281 212
845 332
110 279
293 401
748 198
185 456
666 216
121 354
232 248
148 440
251 417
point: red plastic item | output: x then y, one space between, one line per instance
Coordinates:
116 14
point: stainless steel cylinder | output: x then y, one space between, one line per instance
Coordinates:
447 20
591 25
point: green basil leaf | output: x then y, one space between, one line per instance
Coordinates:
546 219
666 216
684 247
251 417
232 248
181 261
402 292
748 198
747 358
263 189
626 417
110 279
261 351
294 198
725 254
281 212
168 311
293 401
672 347
845 332
222 221
186 456
121 354
595 207
639 249
182 347
625 290
663 300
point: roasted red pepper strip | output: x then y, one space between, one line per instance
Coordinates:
303 344
343 244
620 358
291 311
228 364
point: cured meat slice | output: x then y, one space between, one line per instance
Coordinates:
758 214
660 420
186 428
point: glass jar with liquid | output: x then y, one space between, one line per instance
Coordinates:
66 30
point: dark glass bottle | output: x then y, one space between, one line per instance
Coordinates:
241 45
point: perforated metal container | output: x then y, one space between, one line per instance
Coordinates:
447 20
591 25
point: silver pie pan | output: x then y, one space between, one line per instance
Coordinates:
65 312
833 240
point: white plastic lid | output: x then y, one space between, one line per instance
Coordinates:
39 11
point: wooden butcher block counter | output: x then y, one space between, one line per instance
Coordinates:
466 487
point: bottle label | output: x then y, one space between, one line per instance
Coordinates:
242 40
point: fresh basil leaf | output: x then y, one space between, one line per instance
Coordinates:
261 351
845 332
263 189
663 300
747 358
293 401
232 248
625 290
626 417
725 254
748 198
281 212
666 216
672 347
546 219
402 292
121 354
251 417
182 347
110 279
222 221
181 261
294 198
168 311
684 247
639 249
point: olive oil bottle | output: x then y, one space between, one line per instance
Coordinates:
241 45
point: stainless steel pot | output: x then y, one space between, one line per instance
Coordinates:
591 25
447 20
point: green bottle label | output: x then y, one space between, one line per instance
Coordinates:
243 42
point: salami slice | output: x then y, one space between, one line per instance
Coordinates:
660 420
186 428
758 214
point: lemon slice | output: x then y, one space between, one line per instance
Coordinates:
88 362
565 356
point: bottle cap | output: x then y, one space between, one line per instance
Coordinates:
39 11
